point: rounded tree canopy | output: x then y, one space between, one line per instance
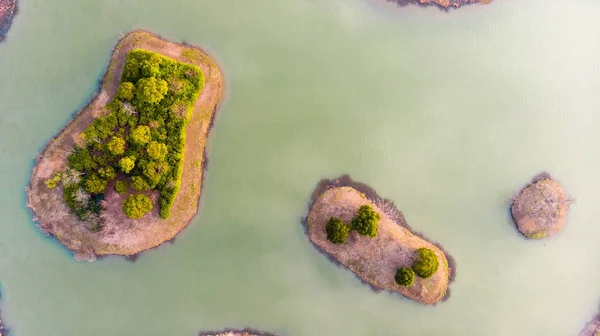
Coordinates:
337 230
151 90
426 264
405 277
127 164
366 222
157 150
140 135
136 206
126 91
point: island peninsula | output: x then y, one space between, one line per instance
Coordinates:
7 11
540 209
125 175
440 3
367 234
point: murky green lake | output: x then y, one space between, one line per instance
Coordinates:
447 114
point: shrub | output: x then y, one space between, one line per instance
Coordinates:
151 90
54 181
337 230
157 150
405 277
95 185
116 146
121 187
107 173
366 222
140 135
139 183
126 91
127 164
426 264
136 206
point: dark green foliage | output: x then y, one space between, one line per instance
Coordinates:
337 230
426 263
116 146
136 206
405 277
54 181
141 140
121 187
366 221
126 91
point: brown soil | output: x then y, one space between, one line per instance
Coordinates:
122 235
540 209
440 3
376 260
7 10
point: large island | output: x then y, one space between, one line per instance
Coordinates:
125 174
368 235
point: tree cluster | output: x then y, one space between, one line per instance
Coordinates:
366 223
140 141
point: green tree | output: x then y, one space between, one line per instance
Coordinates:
366 221
116 146
121 187
81 160
151 66
157 150
405 277
140 135
95 185
151 90
426 263
155 170
126 91
337 230
136 206
107 173
139 183
127 164
54 181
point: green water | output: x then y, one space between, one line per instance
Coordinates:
447 114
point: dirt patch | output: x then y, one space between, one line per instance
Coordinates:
235 332
122 235
540 209
374 260
445 4
8 8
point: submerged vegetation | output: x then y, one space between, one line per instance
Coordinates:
139 140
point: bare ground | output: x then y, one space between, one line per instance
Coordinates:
235 332
122 235
7 10
540 209
375 260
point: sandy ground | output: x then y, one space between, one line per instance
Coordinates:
122 235
375 260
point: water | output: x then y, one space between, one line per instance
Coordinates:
447 114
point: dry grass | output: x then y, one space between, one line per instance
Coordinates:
375 260
122 235
540 209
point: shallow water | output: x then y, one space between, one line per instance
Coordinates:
446 114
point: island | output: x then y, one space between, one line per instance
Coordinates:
592 328
358 229
440 3
235 332
540 209
125 175
7 11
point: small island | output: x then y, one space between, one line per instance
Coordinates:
7 10
540 209
440 3
235 332
125 174
355 227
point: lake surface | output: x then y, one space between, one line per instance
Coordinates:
446 114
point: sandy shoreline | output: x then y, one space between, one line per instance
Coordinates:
398 253
444 4
50 210
235 332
